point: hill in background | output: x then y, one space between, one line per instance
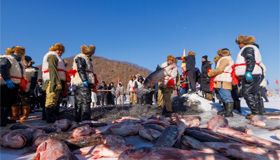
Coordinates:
109 70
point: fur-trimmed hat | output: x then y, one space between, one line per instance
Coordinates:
57 46
245 40
15 49
224 52
88 49
27 61
170 57
216 59
191 53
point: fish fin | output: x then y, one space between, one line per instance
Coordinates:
37 157
158 67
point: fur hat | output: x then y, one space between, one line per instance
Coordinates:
15 49
27 61
245 40
216 59
224 52
170 57
87 49
191 53
57 46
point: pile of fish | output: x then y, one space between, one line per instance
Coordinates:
170 138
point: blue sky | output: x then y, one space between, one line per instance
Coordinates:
142 31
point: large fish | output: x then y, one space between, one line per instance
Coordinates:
149 134
82 131
124 129
168 137
203 136
63 124
180 126
240 151
19 138
154 126
40 139
166 153
53 149
257 123
249 138
195 144
192 121
158 75
243 129
272 117
84 141
217 122
127 119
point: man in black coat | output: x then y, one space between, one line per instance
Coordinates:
205 80
190 69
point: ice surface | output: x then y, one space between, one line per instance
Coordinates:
210 109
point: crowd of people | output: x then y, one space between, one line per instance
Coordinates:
21 91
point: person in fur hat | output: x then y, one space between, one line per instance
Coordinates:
205 80
84 82
54 77
190 69
247 68
223 81
168 86
25 97
131 90
11 78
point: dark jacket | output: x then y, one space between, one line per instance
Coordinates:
38 90
190 63
81 66
205 80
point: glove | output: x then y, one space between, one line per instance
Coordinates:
85 83
248 76
10 84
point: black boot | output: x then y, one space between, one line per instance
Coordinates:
262 106
7 111
223 109
237 106
44 116
228 110
50 113
77 114
2 118
86 112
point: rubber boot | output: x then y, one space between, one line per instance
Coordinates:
228 110
223 109
237 106
2 118
262 106
15 111
86 112
26 110
44 116
50 113
7 111
77 114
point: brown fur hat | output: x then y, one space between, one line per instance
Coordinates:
57 46
191 53
87 49
170 57
247 40
224 52
15 49
216 59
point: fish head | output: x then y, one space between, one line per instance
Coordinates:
15 140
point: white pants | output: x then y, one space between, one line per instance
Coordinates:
120 100
93 98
